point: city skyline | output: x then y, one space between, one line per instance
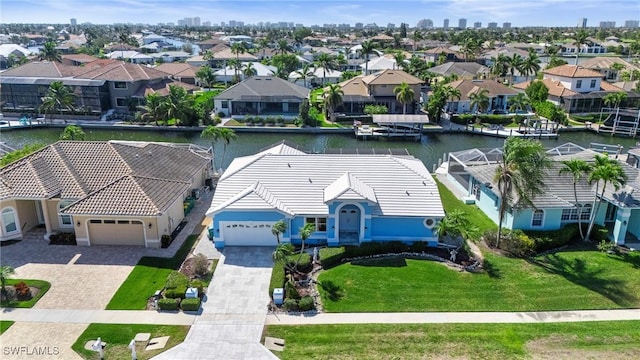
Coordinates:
561 13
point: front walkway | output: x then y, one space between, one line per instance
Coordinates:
233 317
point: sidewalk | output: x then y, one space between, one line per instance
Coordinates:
97 316
454 317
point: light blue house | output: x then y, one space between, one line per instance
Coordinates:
351 199
472 172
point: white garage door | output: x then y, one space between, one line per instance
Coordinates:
116 232
248 233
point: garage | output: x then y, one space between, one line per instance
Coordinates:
116 232
248 233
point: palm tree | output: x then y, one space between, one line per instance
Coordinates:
153 107
367 48
518 102
263 44
577 168
531 64
326 62
305 73
236 65
206 76
332 99
238 48
404 94
278 228
72 132
519 175
249 70
58 97
580 39
305 233
283 46
479 101
614 99
417 36
49 52
605 171
399 58
515 63
175 104
5 272
617 67
208 56
227 135
211 133
281 254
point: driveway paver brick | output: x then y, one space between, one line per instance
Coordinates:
28 341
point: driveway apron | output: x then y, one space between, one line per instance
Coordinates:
233 316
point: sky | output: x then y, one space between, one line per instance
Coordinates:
309 12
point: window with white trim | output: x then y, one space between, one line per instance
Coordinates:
9 220
571 215
578 84
319 222
593 83
65 220
119 85
537 218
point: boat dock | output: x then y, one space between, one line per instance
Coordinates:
392 126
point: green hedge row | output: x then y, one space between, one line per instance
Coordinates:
330 257
464 119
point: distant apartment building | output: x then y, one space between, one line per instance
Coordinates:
582 22
607 24
445 24
477 25
425 24
492 25
462 23
359 26
73 22
196 21
206 24
506 25
233 23
391 26
631 24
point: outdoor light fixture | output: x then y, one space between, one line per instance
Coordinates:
150 225
78 223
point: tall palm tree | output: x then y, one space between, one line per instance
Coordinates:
226 135
211 133
515 63
417 36
281 254
500 65
236 65
58 97
531 64
305 73
283 46
153 107
208 56
519 175
399 59
249 71
175 104
580 38
305 233
479 100
332 99
518 102
278 228
238 48
404 94
326 62
263 45
367 48
605 171
49 52
206 76
615 99
577 168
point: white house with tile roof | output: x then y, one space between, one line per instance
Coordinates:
106 193
351 199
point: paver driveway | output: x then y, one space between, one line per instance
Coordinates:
28 341
233 316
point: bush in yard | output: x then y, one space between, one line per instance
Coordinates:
330 257
168 304
419 246
518 244
306 303
175 293
201 264
165 241
198 285
176 279
22 291
290 291
290 304
190 304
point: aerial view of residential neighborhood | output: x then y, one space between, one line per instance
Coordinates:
287 179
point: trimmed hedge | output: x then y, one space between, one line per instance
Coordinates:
168 304
190 304
175 293
306 303
464 119
330 257
197 284
176 279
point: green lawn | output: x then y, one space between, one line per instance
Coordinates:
147 277
563 281
40 284
476 217
118 336
4 325
592 340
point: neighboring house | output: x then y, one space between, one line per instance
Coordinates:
592 46
106 193
378 64
350 199
151 38
171 56
77 59
133 57
181 72
221 57
261 95
619 211
463 70
498 95
7 51
209 43
440 52
604 66
227 74
315 77
377 88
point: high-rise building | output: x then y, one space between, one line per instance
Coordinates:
196 21
359 26
582 22
462 23
607 24
477 25
506 25
425 24
492 25
73 22
445 24
206 23
632 24
233 23
182 22
391 26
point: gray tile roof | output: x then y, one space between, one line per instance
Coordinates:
265 88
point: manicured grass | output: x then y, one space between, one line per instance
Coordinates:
147 277
40 284
4 325
562 281
592 340
475 216
118 336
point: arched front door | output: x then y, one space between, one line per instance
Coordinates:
349 224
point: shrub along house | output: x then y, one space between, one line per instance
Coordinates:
106 193
350 198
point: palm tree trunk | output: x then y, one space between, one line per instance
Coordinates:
595 208
224 150
575 194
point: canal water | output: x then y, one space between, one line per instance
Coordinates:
430 149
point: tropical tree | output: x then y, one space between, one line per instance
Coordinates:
72 132
153 108
455 224
236 65
281 254
305 233
617 67
537 91
49 52
59 97
367 48
518 102
305 73
283 46
326 62
404 94
580 38
515 63
226 135
5 272
615 99
499 65
438 100
249 71
278 228
332 99
263 45
479 101
416 36
206 76
211 133
577 168
605 171
555 61
177 104
400 60
531 64
519 175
